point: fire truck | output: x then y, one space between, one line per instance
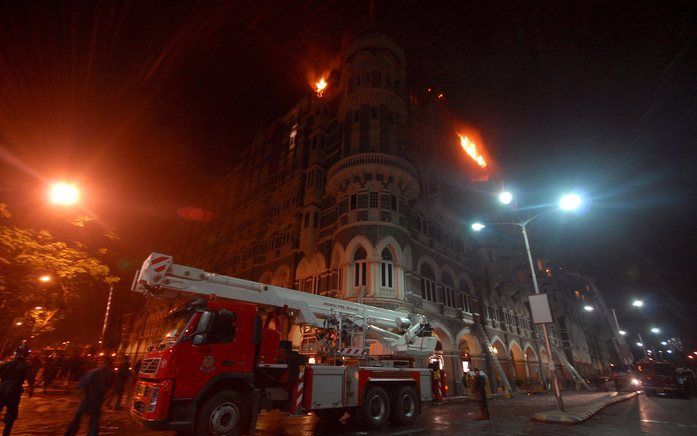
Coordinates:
225 356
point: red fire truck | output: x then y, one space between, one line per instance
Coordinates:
225 356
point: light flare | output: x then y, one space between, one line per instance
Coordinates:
320 87
64 194
472 150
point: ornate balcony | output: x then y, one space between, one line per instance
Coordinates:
397 171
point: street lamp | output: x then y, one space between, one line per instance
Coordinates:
63 194
505 197
622 332
568 202
664 343
639 344
45 278
669 351
478 226
588 308
638 303
655 330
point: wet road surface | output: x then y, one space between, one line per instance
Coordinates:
50 413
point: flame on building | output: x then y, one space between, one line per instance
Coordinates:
320 86
472 150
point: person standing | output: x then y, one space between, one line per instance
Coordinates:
479 391
122 375
12 376
95 383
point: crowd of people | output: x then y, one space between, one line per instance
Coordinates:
98 376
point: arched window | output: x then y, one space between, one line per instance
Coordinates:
360 266
386 268
428 283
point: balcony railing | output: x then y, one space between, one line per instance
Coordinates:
402 171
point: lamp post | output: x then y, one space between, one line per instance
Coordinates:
567 203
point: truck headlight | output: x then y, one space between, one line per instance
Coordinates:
153 399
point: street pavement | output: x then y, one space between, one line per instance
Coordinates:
50 413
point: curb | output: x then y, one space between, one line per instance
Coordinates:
576 416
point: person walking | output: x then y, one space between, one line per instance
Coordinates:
479 391
121 381
95 383
12 376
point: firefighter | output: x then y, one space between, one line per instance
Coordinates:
479 391
95 383
12 376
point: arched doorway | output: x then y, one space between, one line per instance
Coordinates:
446 356
519 366
532 363
502 355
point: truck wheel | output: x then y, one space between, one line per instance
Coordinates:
224 414
375 411
405 406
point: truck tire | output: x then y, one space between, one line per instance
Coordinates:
224 414
374 414
405 406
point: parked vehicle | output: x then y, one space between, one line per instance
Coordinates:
660 378
624 378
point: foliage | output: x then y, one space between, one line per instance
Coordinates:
27 254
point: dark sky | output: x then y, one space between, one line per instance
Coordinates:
147 103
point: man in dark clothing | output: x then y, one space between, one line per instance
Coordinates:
479 391
121 380
12 376
94 384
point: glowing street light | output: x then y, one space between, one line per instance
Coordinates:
622 332
45 278
570 202
669 351
19 323
478 226
655 330
505 197
639 344
588 308
63 194
664 343
38 308
638 303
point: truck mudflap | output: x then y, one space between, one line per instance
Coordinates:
256 405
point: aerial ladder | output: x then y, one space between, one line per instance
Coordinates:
221 362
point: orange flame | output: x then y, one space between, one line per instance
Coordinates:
320 86
471 149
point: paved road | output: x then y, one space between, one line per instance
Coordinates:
49 414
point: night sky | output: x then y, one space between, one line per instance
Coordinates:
145 104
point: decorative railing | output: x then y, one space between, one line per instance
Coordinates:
370 159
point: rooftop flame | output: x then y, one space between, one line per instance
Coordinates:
320 86
471 149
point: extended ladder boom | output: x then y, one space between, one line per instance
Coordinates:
400 332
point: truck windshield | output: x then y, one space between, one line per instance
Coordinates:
175 324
